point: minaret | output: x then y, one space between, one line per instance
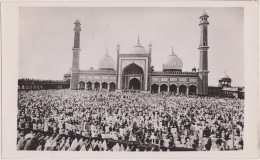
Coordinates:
117 66
149 65
203 62
75 61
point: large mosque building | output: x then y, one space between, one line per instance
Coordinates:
134 71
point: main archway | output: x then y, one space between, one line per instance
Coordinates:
132 77
135 84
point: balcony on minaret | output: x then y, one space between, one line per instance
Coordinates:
77 30
204 19
204 45
77 25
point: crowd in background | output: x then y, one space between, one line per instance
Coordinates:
125 121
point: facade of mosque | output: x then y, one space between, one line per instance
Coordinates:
133 70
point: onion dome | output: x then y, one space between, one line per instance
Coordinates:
106 63
139 49
173 64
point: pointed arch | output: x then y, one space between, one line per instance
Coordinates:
154 88
163 88
182 89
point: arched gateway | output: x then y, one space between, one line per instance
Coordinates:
132 77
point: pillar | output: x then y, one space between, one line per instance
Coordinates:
178 90
85 86
108 87
159 88
78 85
168 89
141 78
125 83
187 90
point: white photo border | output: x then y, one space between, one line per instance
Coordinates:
10 46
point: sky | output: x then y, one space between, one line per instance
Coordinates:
46 38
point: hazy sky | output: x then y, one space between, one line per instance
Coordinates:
46 38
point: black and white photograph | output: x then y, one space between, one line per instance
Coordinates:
131 79
125 86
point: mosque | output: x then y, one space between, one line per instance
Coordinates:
133 70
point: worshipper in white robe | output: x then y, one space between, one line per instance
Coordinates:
116 147
67 144
81 143
100 145
53 145
93 144
122 148
74 144
222 147
127 149
90 148
21 143
62 142
39 148
83 148
48 144
104 145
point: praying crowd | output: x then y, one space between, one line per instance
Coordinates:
68 120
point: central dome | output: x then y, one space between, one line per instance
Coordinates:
106 63
139 49
173 64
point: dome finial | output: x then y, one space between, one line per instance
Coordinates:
205 13
138 41
77 21
172 51
106 52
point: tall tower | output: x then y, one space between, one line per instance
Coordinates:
75 60
203 62
149 65
117 65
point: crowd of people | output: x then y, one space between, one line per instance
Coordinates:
70 120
